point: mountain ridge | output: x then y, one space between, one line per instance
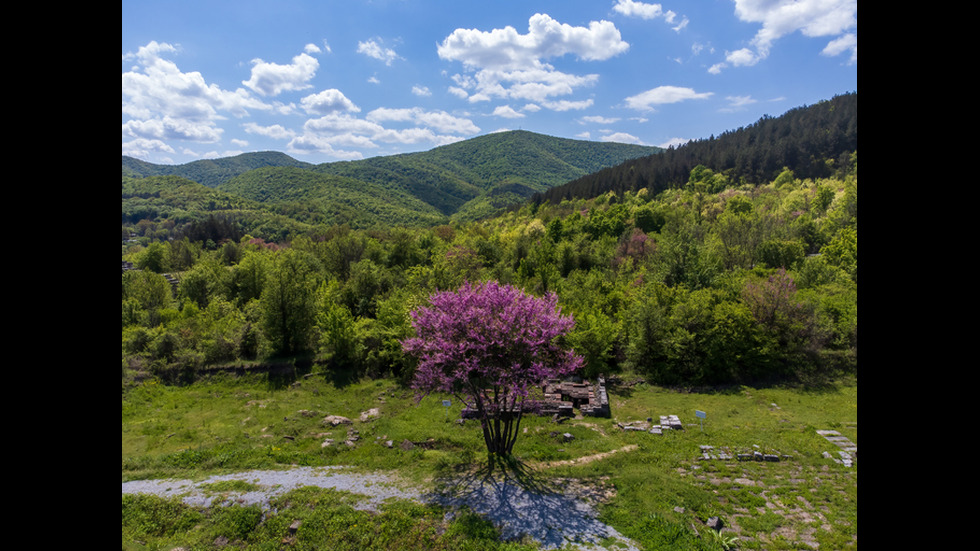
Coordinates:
468 179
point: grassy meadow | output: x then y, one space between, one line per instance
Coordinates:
655 489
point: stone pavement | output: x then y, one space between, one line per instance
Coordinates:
848 450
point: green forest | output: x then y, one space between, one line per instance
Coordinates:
731 260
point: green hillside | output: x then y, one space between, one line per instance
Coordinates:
464 181
211 172
463 178
312 197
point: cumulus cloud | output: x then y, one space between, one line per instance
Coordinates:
142 147
161 102
507 112
673 142
169 128
663 95
621 137
812 18
629 8
439 120
375 49
328 101
504 64
272 79
334 133
421 91
276 131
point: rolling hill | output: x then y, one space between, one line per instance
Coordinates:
465 180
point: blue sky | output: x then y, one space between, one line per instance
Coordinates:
324 80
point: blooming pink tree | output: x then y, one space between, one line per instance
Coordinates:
489 344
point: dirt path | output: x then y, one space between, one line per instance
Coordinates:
586 459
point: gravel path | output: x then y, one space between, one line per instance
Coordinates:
554 519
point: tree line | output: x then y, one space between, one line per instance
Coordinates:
713 281
814 141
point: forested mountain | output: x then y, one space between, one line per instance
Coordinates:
816 141
703 278
475 177
465 180
211 172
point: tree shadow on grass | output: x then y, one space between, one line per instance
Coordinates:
521 502
496 471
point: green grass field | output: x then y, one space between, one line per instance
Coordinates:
657 490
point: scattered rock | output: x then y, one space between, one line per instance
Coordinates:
715 524
407 445
370 414
295 526
334 420
327 443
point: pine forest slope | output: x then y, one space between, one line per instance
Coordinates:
813 141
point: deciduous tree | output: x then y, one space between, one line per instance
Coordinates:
490 345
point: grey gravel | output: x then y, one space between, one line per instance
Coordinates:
554 519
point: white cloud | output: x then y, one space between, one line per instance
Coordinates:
507 112
565 105
848 42
505 64
812 18
599 120
621 137
306 144
675 142
439 120
168 128
335 124
328 101
143 147
629 8
272 79
506 49
161 102
421 91
276 131
743 57
737 103
663 95
375 49
334 132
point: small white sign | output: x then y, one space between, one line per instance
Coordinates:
447 403
700 414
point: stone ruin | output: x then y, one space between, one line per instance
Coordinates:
562 397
